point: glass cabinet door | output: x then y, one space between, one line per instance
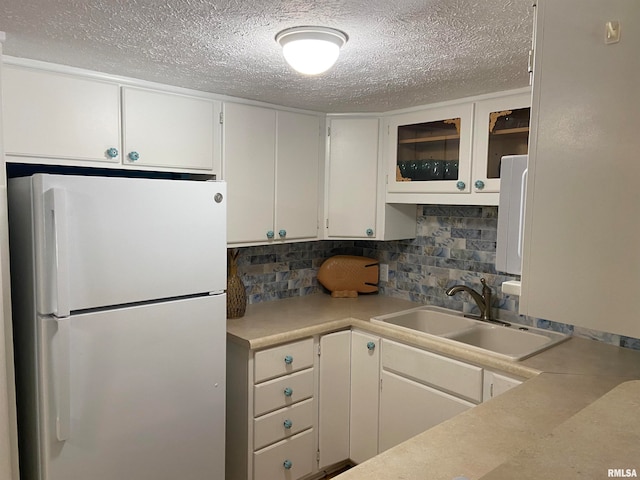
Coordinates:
430 151
502 129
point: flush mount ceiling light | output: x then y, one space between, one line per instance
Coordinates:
311 50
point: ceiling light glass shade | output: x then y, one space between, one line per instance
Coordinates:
311 50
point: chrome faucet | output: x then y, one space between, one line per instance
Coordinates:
483 301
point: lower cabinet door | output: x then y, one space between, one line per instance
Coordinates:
408 408
286 460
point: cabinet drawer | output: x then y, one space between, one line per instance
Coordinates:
284 359
443 373
273 426
296 452
271 395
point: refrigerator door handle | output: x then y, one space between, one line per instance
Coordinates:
62 378
56 201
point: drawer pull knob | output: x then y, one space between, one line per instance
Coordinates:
288 392
461 185
288 424
270 234
479 184
134 156
371 346
288 359
287 464
112 152
282 233
369 232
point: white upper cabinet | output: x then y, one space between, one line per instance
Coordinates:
353 175
56 116
451 153
581 261
271 162
297 175
249 151
355 190
429 151
65 119
501 128
169 130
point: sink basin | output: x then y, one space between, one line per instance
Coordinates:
504 340
431 320
515 342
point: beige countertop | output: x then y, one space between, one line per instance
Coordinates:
507 437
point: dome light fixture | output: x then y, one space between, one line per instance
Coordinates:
311 50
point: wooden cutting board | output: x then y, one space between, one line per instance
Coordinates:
348 275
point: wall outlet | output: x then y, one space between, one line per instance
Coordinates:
384 272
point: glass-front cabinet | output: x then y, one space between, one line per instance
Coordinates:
501 128
430 150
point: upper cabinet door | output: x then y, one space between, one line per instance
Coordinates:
56 116
581 261
501 127
430 151
249 169
353 175
170 130
297 175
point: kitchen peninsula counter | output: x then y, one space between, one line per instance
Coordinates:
569 387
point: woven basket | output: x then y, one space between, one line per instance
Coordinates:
236 293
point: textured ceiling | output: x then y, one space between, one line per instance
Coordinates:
400 53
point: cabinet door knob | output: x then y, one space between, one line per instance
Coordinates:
282 233
369 232
461 185
288 392
288 359
288 424
270 234
371 346
287 464
112 152
479 184
134 156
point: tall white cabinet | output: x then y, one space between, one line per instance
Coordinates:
271 165
581 258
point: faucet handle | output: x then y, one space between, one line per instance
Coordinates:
485 287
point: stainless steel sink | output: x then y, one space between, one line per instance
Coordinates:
514 342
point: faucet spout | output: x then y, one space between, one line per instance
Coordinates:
482 300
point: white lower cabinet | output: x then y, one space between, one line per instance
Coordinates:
365 394
420 389
299 409
271 412
333 398
408 408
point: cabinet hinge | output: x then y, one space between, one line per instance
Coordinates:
381 384
221 118
318 349
327 223
318 456
328 131
491 391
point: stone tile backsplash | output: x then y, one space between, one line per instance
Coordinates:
453 245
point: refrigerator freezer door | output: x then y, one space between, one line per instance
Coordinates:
111 241
146 393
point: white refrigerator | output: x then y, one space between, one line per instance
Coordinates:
119 315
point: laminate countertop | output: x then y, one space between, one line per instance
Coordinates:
576 416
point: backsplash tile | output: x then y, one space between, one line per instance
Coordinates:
454 245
